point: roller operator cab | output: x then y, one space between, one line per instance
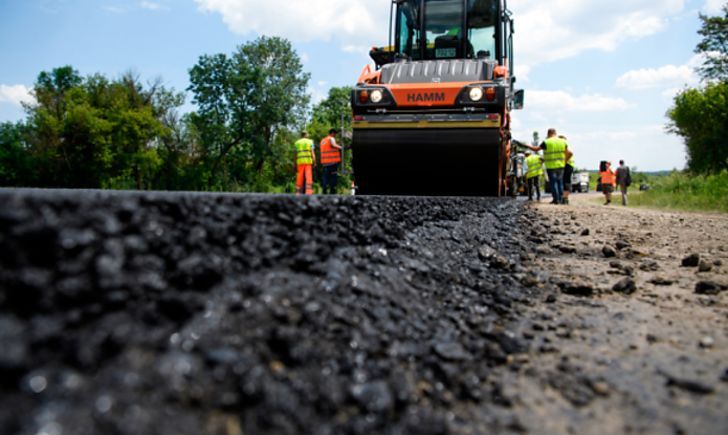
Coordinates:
432 118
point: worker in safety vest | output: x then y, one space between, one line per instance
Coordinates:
330 160
568 173
555 153
608 181
534 172
305 160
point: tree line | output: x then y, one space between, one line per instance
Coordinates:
700 115
96 132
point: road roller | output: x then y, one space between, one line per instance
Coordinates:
432 116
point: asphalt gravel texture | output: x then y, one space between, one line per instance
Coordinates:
177 313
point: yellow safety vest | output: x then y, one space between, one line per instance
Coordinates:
304 152
535 168
555 153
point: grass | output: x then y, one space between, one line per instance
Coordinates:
682 191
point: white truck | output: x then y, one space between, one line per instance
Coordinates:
580 182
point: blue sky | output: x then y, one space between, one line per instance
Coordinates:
603 72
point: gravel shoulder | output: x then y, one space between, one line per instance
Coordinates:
635 342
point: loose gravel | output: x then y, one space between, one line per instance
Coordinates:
152 313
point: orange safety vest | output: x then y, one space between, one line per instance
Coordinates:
329 154
609 177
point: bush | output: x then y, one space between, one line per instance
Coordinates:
684 191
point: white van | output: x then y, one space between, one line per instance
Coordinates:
580 182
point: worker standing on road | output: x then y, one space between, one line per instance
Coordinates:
534 172
608 180
556 153
330 160
305 160
624 180
568 173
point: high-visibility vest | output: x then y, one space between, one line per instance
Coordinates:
555 153
535 168
571 162
329 154
608 177
304 152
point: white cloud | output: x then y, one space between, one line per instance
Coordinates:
152 6
115 9
668 76
15 94
352 48
561 29
350 22
562 101
546 31
713 7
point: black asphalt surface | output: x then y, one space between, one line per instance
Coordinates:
176 313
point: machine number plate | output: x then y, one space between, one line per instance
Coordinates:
442 53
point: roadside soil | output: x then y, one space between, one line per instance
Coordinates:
635 342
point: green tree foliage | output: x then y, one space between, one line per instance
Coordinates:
700 116
248 102
15 163
714 46
96 133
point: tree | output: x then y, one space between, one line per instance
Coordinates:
96 133
714 46
244 100
700 116
15 162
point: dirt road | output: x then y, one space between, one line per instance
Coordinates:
636 342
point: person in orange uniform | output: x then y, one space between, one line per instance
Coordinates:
305 160
608 180
330 160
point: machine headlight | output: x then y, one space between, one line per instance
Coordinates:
476 94
376 96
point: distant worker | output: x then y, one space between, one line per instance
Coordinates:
608 180
555 153
534 172
330 160
568 173
624 180
305 160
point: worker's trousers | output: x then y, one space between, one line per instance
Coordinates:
623 188
330 178
304 180
556 182
534 185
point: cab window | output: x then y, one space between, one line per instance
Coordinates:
409 29
482 16
444 29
